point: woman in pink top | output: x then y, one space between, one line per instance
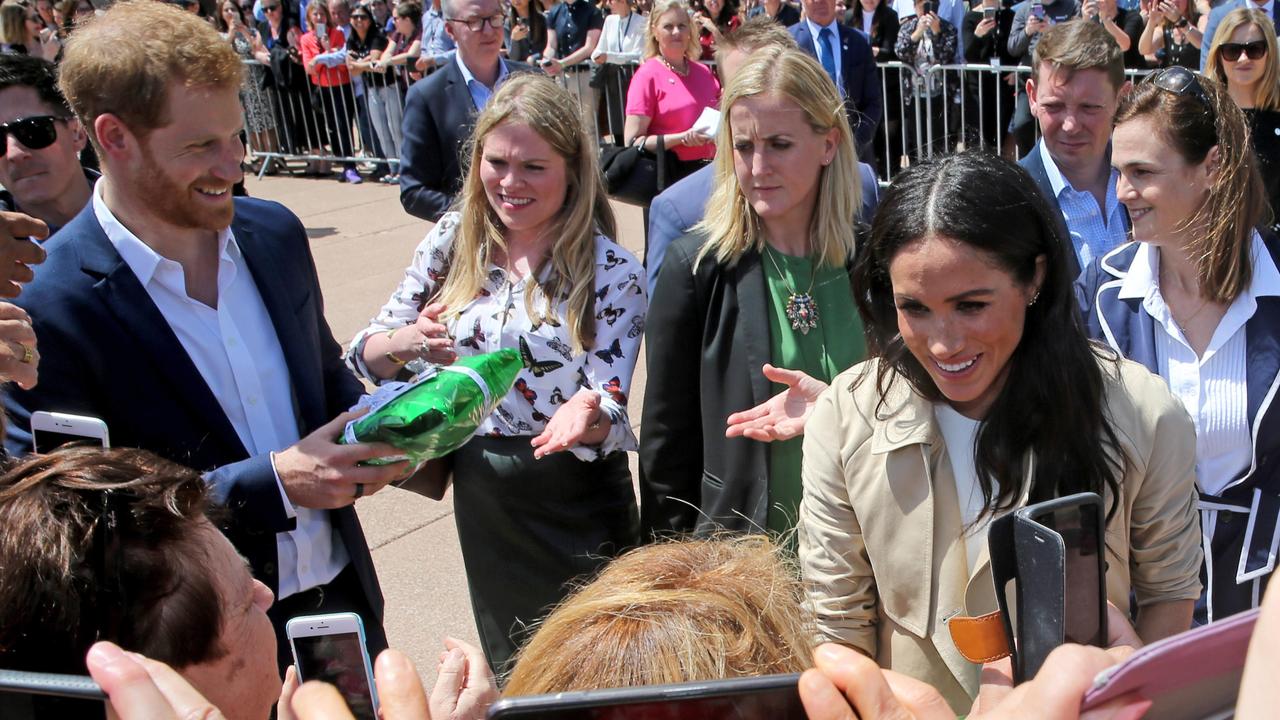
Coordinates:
671 89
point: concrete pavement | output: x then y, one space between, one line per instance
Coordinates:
362 241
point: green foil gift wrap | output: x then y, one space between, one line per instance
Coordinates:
438 411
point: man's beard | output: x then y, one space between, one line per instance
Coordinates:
174 204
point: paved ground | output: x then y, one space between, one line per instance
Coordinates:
362 240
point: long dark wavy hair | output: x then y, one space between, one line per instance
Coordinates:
1051 404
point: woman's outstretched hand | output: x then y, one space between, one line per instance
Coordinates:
580 421
782 416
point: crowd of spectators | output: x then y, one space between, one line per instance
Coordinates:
869 379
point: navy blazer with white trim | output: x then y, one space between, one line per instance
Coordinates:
1247 531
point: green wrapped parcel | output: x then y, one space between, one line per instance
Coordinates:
439 410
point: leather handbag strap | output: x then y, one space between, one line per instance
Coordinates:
662 164
979 639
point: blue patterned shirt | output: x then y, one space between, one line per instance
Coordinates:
1093 233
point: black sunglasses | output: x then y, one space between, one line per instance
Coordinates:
35 133
1180 81
270 8
1253 50
361 16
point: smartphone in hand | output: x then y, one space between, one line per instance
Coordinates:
331 648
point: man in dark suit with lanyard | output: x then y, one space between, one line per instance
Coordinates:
846 56
192 323
440 111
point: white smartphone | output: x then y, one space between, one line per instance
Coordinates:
331 648
51 430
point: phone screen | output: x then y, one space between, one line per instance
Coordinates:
778 703
337 659
1080 528
44 441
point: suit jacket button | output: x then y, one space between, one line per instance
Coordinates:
269 568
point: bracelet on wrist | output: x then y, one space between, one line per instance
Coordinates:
390 356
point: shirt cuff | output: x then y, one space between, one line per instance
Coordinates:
289 510
620 438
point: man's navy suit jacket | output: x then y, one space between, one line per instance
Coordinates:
106 351
862 101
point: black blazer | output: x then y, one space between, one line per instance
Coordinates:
438 119
884 29
106 351
706 342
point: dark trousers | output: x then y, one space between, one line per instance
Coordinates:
337 107
344 594
529 528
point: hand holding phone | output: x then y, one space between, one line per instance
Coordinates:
331 648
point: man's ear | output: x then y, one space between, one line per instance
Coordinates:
114 137
79 138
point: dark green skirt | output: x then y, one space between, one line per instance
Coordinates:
530 528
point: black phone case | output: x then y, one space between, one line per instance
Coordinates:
1042 573
1033 557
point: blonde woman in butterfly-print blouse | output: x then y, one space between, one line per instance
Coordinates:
764 279
542 494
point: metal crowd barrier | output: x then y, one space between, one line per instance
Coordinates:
302 122
949 107
972 106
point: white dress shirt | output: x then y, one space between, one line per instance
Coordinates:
236 351
480 93
819 50
1212 387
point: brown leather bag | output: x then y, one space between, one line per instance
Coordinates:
433 479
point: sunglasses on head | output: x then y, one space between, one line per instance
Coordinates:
270 8
1253 50
35 133
1181 81
361 16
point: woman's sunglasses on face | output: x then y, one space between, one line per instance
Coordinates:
35 133
1253 50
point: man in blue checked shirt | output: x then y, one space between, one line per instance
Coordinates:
1074 93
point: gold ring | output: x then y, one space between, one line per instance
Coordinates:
27 355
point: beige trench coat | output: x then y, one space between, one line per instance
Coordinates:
880 527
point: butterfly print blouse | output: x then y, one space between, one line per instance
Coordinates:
497 319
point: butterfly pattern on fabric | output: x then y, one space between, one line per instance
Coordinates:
498 318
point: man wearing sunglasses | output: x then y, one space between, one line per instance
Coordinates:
440 111
40 167
1074 92
1268 8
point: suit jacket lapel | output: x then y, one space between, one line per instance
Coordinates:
299 353
930 585
152 337
805 40
753 316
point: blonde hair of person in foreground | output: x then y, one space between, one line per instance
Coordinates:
673 612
